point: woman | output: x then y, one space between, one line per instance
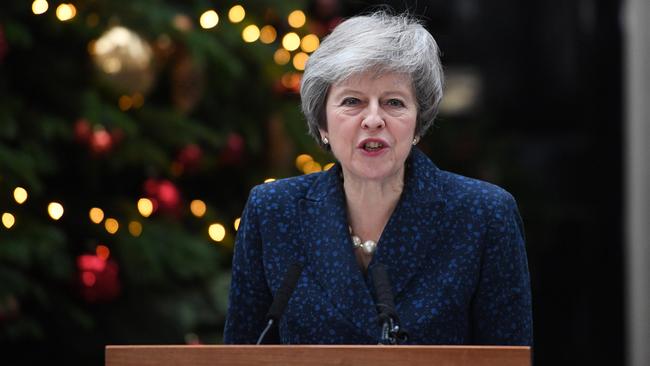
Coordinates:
453 246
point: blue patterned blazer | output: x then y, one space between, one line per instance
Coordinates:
453 247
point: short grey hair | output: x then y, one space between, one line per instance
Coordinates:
379 42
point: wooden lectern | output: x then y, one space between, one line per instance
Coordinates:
235 355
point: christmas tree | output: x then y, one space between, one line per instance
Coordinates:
130 135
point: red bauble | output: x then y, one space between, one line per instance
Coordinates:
164 195
234 150
190 157
82 130
101 141
169 197
98 278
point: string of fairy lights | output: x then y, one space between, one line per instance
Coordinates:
147 206
292 48
209 19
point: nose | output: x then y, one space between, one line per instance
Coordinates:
373 118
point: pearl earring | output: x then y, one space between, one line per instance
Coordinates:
325 141
416 140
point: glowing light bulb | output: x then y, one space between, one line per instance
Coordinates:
297 19
251 33
281 56
135 228
39 6
268 34
145 207
291 41
125 103
20 195
309 43
66 12
55 210
311 167
236 223
217 232
302 159
236 14
198 208
102 251
299 60
8 220
96 215
209 19
111 225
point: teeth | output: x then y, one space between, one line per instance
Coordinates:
373 145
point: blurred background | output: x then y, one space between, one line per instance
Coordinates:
132 131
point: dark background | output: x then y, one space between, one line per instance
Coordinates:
533 103
547 126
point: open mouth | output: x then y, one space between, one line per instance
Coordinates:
373 146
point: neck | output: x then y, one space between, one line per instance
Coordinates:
371 203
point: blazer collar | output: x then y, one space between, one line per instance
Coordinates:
421 180
404 246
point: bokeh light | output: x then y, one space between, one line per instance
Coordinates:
309 43
55 210
311 167
299 60
39 6
217 232
281 56
198 208
145 207
111 225
251 33
125 103
135 228
236 14
236 223
20 195
268 34
102 251
8 220
65 12
291 41
96 215
297 19
303 159
209 19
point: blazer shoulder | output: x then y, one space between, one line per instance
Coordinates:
283 190
473 191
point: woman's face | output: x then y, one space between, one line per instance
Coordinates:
371 121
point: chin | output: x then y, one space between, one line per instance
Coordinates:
375 173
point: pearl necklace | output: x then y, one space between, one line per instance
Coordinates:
368 246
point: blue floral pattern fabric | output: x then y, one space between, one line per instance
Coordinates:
453 247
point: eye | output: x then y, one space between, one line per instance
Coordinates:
350 101
395 103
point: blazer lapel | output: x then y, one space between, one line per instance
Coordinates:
404 245
414 227
330 255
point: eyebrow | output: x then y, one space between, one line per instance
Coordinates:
346 90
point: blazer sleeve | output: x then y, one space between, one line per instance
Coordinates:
249 297
502 306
